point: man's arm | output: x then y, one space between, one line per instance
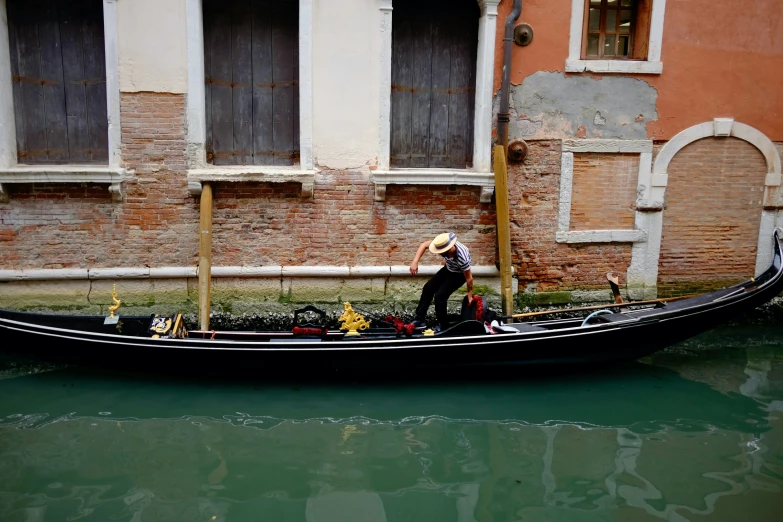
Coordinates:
469 284
419 252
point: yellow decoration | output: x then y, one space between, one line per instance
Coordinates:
428 332
352 321
116 304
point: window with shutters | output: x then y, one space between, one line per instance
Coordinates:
433 83
58 73
251 69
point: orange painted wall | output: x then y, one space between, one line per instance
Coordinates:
720 59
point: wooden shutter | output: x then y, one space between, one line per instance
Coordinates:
251 62
433 83
59 80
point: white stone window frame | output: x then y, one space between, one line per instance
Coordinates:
564 235
643 271
199 171
481 174
12 172
653 64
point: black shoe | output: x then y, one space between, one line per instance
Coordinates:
419 324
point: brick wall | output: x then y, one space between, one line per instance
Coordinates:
270 224
78 225
543 264
159 220
712 213
710 223
55 225
604 191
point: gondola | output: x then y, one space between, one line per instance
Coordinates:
572 336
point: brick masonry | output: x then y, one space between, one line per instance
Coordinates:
78 226
710 223
544 265
270 224
604 191
713 206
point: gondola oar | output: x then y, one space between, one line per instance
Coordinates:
595 307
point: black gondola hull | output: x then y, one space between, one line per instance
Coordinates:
617 337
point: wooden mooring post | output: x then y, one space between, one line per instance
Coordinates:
205 256
504 230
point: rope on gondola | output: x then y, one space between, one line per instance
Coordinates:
391 321
597 312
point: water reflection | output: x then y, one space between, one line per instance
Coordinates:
688 435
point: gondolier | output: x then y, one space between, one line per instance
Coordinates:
455 273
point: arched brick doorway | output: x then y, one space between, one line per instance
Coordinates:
713 209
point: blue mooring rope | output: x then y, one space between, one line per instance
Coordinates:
598 312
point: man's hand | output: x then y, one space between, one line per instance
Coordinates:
414 268
470 298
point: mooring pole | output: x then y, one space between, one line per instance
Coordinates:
205 255
504 229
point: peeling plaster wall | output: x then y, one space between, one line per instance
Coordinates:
346 82
551 105
152 46
730 67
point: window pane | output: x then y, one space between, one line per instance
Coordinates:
595 20
625 21
609 45
611 21
596 3
625 3
592 45
611 3
622 49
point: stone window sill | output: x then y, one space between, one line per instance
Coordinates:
485 180
113 176
602 236
267 174
614 66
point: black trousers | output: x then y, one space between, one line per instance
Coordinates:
440 287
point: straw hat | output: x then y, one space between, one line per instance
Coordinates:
443 242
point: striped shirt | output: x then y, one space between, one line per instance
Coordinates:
461 260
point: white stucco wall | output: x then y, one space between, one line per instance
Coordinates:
152 43
346 82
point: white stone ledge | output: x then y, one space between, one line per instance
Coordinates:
174 271
614 66
619 146
112 176
230 271
381 178
602 236
244 173
44 274
246 271
119 273
316 271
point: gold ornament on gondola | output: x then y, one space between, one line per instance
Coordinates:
113 308
111 318
352 321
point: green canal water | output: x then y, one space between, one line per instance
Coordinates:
694 433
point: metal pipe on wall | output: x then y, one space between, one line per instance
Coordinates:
508 39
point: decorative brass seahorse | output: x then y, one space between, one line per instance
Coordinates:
352 321
113 308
